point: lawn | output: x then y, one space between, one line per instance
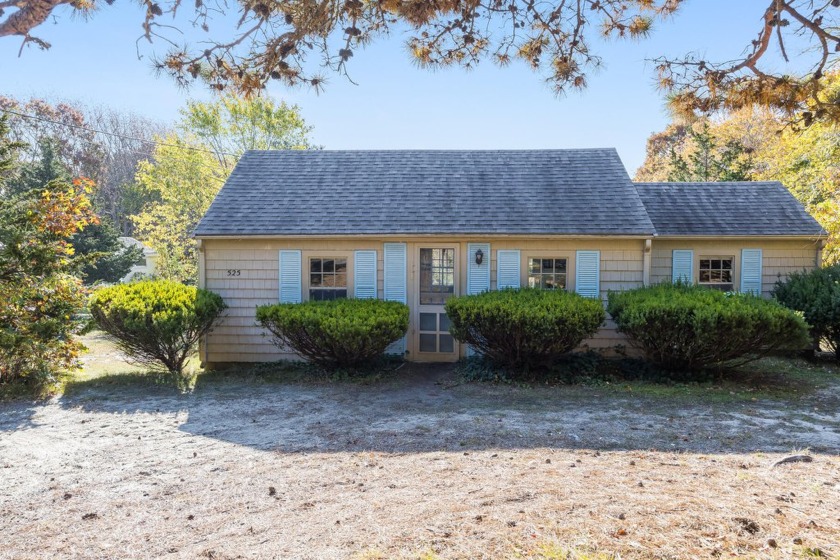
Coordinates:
417 463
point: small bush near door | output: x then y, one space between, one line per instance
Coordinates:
816 294
157 322
685 328
526 329
338 333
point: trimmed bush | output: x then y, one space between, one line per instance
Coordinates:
338 333
524 329
816 294
156 322
684 328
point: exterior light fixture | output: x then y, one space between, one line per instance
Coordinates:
479 256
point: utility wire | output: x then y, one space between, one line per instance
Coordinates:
121 136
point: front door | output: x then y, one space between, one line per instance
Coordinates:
437 281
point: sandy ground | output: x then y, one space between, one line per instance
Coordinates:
415 465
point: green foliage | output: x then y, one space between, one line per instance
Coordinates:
816 294
708 161
338 333
181 182
685 328
40 298
37 173
157 322
110 260
231 125
525 329
189 167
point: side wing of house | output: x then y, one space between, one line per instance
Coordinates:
737 265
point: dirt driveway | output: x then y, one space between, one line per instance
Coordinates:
420 466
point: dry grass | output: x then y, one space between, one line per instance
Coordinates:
416 467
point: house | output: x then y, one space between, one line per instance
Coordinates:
421 226
144 267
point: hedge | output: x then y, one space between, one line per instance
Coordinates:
816 294
524 329
337 333
686 328
156 322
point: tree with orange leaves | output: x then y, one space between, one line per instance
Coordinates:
41 295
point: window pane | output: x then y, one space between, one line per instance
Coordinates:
329 265
548 265
548 282
341 265
428 321
726 276
437 275
715 264
715 275
315 265
560 265
444 322
534 265
704 275
561 281
314 280
727 264
428 342
704 264
447 344
533 281
341 280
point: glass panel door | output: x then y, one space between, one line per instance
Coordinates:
437 281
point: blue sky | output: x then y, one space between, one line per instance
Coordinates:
396 104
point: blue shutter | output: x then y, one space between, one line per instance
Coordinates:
290 277
478 275
507 269
588 273
364 275
394 280
751 271
682 266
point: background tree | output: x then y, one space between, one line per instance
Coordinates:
95 142
40 297
291 40
806 161
183 179
230 125
188 168
105 258
708 161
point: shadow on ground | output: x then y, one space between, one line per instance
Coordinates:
424 408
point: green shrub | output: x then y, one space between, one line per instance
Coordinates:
683 328
338 333
524 329
156 322
817 295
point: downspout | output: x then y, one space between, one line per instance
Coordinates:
646 262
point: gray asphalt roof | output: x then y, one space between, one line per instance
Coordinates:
734 208
322 192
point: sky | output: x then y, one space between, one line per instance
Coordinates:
396 104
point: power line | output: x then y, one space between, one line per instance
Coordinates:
121 136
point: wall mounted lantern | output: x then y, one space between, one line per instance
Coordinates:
479 256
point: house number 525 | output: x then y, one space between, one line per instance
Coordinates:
234 272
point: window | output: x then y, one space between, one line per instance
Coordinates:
716 272
327 278
547 274
437 275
